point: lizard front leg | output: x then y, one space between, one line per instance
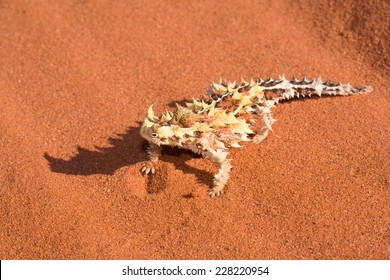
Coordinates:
154 152
221 178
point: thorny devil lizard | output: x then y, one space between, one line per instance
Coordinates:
228 114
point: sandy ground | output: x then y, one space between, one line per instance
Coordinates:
76 78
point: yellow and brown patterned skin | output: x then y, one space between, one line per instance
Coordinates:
227 115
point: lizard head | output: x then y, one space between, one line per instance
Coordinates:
150 128
168 129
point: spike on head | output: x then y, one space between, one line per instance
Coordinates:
167 117
150 114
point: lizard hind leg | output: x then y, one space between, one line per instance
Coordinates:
266 120
260 135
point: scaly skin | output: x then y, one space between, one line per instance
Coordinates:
227 115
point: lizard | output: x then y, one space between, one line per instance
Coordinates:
229 113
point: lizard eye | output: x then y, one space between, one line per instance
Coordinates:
154 135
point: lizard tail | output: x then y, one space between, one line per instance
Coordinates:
285 89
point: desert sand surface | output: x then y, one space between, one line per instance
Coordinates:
76 79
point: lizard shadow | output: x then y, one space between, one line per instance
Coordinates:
126 149
178 157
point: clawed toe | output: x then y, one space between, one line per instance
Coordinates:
215 192
148 168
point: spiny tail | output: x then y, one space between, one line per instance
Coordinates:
285 89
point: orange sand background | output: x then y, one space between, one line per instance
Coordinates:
76 78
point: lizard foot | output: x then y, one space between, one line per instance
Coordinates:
148 167
215 192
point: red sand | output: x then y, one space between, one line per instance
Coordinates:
76 79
